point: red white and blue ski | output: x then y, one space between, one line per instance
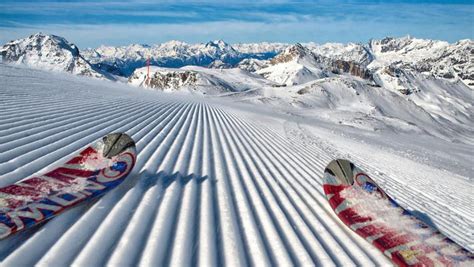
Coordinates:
366 209
94 171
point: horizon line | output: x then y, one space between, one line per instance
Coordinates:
409 36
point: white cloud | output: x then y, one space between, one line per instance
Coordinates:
318 30
120 23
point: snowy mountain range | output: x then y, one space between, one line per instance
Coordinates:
174 54
406 84
390 60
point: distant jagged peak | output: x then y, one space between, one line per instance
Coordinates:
260 48
291 53
405 44
219 47
355 52
172 44
391 40
297 49
464 42
219 44
465 46
139 46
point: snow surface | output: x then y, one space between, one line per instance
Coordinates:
225 180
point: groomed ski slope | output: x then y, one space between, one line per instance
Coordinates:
211 186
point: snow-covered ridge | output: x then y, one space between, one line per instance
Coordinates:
351 52
429 57
297 64
196 79
176 79
437 58
49 52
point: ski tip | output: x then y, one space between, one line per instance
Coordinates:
116 143
342 169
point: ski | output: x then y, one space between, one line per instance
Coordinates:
367 210
91 173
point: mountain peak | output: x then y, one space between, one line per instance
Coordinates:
221 50
294 52
42 39
219 44
174 43
298 49
48 51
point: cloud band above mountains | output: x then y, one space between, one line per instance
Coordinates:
116 23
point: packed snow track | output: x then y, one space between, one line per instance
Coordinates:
209 188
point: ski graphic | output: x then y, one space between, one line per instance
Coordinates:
91 173
367 210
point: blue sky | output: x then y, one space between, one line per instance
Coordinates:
92 23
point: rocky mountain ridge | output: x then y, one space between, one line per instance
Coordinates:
197 80
49 52
299 64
